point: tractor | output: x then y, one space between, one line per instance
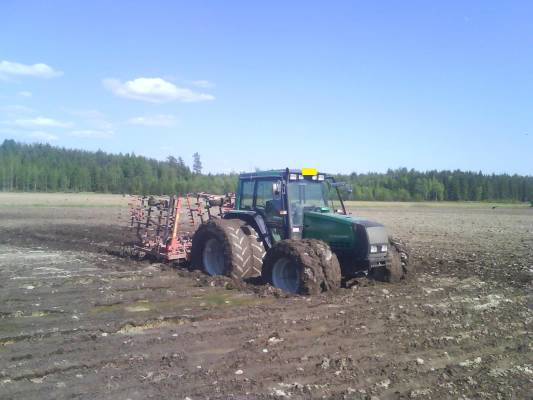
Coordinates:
292 228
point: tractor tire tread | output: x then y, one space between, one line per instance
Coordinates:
237 249
258 250
397 266
319 268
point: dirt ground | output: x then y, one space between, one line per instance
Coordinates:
78 322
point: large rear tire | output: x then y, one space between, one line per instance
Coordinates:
305 267
221 247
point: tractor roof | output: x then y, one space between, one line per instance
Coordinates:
275 173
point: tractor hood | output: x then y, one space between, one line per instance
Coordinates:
330 217
345 233
331 220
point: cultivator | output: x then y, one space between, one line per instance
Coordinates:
164 225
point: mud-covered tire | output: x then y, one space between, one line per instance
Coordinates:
397 265
408 268
258 249
318 268
330 264
235 245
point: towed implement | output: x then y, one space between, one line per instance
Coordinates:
288 226
163 226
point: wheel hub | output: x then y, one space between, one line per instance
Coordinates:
213 257
286 275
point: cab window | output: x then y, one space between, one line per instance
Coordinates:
266 202
264 194
247 195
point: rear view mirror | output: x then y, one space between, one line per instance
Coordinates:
342 185
338 184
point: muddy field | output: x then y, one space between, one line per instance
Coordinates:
78 322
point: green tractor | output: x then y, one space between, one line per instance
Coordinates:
286 227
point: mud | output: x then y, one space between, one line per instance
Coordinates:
78 322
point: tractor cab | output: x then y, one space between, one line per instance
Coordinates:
283 197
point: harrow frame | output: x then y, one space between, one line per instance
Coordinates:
164 225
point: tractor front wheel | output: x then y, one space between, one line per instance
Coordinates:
301 266
397 265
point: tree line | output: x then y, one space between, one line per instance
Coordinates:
43 168
410 185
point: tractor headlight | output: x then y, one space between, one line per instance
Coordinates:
320 177
373 249
384 248
293 177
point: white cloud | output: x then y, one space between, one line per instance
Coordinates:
154 90
202 83
8 68
41 122
25 93
154 120
44 136
92 134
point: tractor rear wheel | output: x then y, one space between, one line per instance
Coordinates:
221 247
301 266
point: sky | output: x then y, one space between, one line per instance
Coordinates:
342 86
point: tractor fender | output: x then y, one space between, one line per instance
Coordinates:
256 221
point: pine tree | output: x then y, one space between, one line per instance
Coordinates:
197 164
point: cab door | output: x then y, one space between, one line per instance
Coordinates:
270 205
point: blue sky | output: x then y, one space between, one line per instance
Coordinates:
342 86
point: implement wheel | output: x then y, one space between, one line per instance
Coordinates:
301 266
221 247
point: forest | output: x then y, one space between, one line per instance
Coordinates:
44 168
